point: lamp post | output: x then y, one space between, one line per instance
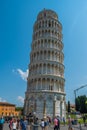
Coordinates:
75 98
77 90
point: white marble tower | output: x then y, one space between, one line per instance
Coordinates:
45 93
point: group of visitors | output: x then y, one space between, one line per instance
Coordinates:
46 122
23 123
16 124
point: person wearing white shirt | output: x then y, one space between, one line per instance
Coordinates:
14 125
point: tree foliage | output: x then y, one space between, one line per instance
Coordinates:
19 108
81 104
69 107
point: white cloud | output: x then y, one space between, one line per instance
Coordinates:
20 99
23 75
2 100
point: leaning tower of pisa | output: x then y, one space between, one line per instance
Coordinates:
45 93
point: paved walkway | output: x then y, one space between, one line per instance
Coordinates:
76 127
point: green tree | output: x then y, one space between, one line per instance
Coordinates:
68 107
81 104
19 108
77 104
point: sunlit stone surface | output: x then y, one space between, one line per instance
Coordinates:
45 95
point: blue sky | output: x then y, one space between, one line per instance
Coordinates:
17 18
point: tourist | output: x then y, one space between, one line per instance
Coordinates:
14 124
10 124
55 123
46 123
69 123
64 121
1 123
42 124
23 123
58 118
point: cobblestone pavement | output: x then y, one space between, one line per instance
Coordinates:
75 127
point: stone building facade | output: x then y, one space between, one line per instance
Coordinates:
8 109
45 93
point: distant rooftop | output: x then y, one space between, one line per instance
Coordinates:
6 103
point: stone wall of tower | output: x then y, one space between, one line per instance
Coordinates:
46 81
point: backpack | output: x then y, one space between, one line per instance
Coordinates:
10 124
22 125
45 123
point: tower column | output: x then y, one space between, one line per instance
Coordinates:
61 103
54 107
44 109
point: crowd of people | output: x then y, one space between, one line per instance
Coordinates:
18 124
24 122
27 122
